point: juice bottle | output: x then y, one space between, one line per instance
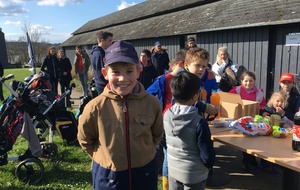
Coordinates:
203 94
215 101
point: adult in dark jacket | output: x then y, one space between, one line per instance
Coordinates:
1 75
160 59
148 71
98 53
65 75
51 66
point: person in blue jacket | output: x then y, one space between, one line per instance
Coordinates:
98 54
209 83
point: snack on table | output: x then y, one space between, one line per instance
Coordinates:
248 127
279 132
221 122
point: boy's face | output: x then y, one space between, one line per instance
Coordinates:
122 77
144 59
197 67
286 85
106 43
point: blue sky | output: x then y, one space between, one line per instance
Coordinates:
54 19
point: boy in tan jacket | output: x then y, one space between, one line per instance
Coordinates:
120 128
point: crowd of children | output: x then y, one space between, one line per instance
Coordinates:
122 136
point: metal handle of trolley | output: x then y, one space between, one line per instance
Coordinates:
8 77
60 98
44 117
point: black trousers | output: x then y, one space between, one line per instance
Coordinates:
64 86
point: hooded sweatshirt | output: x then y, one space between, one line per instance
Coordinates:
98 55
190 148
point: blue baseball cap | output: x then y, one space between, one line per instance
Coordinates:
157 43
121 51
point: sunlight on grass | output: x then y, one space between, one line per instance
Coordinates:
71 165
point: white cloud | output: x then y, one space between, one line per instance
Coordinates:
17 23
60 3
11 8
124 5
41 29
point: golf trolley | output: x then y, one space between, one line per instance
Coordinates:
20 114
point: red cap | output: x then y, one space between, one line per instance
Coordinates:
287 77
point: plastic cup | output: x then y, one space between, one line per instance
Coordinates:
275 120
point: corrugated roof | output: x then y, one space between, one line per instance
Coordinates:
140 11
212 16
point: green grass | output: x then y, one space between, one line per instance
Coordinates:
19 74
71 170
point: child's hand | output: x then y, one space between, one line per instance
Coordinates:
280 111
265 114
212 110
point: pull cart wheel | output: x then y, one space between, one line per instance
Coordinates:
49 149
30 170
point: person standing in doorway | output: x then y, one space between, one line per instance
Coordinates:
50 65
98 53
191 43
160 58
65 75
82 63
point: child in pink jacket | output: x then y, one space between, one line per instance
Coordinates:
248 91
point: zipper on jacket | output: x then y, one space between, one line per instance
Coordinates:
125 110
54 72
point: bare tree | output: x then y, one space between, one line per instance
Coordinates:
39 45
17 50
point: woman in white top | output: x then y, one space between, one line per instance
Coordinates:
223 67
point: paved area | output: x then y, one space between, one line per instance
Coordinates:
228 161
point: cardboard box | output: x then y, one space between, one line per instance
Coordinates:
232 106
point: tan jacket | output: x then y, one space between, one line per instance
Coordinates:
102 129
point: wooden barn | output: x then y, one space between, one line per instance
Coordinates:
255 32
